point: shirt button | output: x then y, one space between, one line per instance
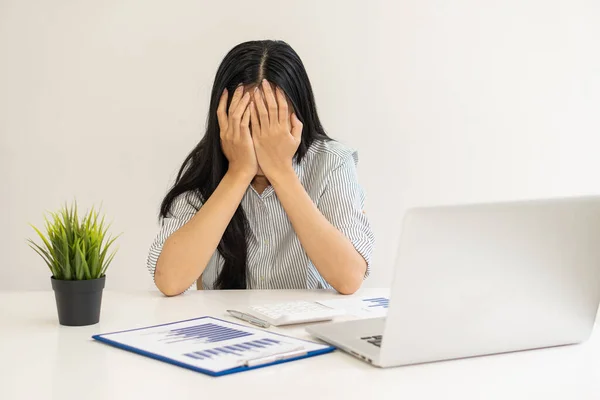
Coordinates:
266 241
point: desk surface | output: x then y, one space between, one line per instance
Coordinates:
42 360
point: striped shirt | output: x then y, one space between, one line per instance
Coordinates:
276 259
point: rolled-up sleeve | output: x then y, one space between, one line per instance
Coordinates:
183 208
343 202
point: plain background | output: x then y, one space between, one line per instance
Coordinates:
446 101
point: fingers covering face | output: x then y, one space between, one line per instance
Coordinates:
283 107
261 109
245 125
267 106
254 122
237 95
235 118
221 114
271 101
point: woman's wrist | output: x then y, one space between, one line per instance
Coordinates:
240 177
281 176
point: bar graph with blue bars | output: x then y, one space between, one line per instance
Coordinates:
235 350
205 333
377 302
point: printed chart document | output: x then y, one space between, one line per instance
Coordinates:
363 307
213 346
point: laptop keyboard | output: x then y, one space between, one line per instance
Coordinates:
374 340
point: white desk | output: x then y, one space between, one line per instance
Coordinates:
42 360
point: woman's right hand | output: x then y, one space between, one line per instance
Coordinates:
236 141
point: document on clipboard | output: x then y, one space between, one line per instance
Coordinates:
213 346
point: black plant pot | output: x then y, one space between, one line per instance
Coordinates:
78 302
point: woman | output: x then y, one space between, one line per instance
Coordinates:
266 200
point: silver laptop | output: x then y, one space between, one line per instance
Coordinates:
484 279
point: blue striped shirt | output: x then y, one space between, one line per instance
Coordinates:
276 259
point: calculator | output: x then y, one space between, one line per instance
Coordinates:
296 312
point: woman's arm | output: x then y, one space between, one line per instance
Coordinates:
277 134
187 251
331 252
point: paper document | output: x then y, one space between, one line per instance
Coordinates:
207 343
364 307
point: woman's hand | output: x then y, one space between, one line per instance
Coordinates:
276 133
236 140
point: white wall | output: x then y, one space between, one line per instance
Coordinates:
447 102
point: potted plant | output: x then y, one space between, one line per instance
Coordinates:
77 253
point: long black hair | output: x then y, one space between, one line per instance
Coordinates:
247 63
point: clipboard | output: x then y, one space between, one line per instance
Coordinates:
213 346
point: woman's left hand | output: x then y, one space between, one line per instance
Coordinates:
276 133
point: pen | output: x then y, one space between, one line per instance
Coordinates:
271 358
249 318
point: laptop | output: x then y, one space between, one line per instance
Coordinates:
484 279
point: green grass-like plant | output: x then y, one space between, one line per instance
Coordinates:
73 248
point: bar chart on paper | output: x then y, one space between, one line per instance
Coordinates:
253 347
364 307
204 333
210 344
217 342
376 302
